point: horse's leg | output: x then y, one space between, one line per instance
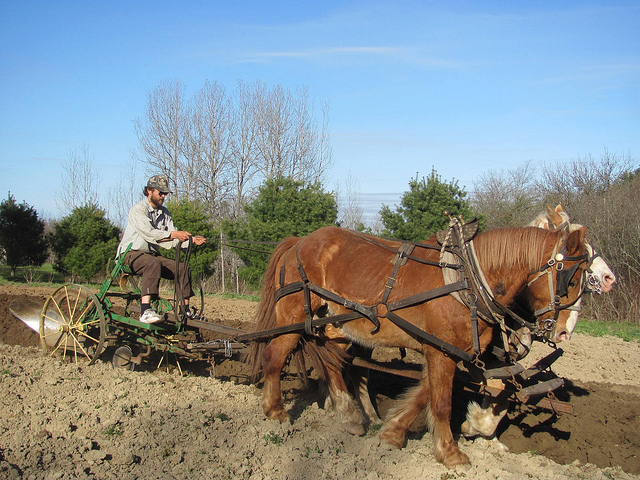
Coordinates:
276 354
483 420
399 420
344 404
441 369
340 399
359 379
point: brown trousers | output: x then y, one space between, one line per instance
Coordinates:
154 267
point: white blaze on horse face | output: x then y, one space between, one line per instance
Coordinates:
572 322
564 334
602 273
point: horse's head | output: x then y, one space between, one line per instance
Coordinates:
555 289
600 277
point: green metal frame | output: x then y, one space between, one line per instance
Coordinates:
158 336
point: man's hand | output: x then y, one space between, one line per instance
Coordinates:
183 236
180 235
198 240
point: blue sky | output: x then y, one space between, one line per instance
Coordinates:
465 87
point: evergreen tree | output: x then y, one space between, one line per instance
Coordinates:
420 214
84 242
284 207
21 235
192 217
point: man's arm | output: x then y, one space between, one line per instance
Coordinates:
140 221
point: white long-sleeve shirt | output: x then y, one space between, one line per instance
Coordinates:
146 228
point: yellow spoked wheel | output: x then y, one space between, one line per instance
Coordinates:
72 324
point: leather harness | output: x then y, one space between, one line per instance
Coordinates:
457 239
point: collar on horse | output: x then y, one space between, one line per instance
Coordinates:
481 301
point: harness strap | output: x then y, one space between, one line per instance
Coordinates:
408 256
308 327
296 327
430 339
428 295
473 309
398 261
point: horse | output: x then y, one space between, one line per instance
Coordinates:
483 420
335 272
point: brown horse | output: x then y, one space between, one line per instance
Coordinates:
356 268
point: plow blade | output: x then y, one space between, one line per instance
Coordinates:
29 312
540 388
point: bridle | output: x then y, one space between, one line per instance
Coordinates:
563 278
592 283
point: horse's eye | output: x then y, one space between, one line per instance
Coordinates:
572 284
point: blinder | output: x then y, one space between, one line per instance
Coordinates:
563 278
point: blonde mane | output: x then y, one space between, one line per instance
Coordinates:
526 247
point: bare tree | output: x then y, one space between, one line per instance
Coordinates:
352 215
580 179
288 140
125 193
507 198
244 154
217 148
79 179
162 131
209 147
324 152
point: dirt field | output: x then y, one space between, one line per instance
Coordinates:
58 421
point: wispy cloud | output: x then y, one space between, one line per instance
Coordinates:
597 72
411 55
322 53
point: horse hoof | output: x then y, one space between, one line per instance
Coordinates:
456 459
354 429
491 443
388 446
390 442
281 416
466 429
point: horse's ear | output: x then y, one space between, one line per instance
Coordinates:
553 216
575 240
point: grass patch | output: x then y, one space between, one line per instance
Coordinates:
114 430
32 275
272 438
628 331
237 296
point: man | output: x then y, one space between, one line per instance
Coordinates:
149 226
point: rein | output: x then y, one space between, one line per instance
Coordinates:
181 310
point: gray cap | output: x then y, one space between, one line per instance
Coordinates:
160 183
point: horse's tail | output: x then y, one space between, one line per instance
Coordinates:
265 318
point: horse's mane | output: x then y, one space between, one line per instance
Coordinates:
514 247
542 220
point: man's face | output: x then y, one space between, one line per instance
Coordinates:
156 199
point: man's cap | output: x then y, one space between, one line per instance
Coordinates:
160 183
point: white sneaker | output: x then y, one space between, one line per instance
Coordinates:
149 316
